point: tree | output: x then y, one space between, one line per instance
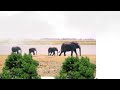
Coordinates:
20 67
77 68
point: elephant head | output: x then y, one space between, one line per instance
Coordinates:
77 46
36 51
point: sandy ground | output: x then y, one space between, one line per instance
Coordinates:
48 65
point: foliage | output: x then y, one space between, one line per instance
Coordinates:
20 67
77 68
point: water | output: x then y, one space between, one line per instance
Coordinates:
43 49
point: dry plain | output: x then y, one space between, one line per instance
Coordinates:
49 65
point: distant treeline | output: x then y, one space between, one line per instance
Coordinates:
7 40
66 39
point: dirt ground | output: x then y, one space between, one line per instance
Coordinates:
48 65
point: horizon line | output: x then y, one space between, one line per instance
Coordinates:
43 38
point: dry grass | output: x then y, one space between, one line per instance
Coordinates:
2 60
58 42
48 65
51 65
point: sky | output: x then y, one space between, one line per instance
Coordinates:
56 24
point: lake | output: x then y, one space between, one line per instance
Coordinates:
43 49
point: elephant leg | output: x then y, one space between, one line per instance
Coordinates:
60 53
33 53
64 53
71 53
75 52
54 53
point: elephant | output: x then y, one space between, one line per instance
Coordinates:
32 50
16 49
70 46
52 50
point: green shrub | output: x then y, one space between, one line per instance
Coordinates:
20 67
77 68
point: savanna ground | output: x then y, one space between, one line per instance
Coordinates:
50 65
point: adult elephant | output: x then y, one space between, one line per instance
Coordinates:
32 50
16 49
70 46
52 50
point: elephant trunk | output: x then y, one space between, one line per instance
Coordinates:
80 50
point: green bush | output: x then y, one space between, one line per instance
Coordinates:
77 68
20 67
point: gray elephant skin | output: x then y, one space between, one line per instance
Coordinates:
70 46
51 51
32 50
16 49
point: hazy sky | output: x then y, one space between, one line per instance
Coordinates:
56 24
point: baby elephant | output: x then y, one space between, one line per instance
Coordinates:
32 50
16 49
52 50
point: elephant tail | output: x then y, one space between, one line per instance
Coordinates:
80 51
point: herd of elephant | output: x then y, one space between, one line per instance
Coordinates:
65 47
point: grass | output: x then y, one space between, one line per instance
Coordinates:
48 65
61 58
